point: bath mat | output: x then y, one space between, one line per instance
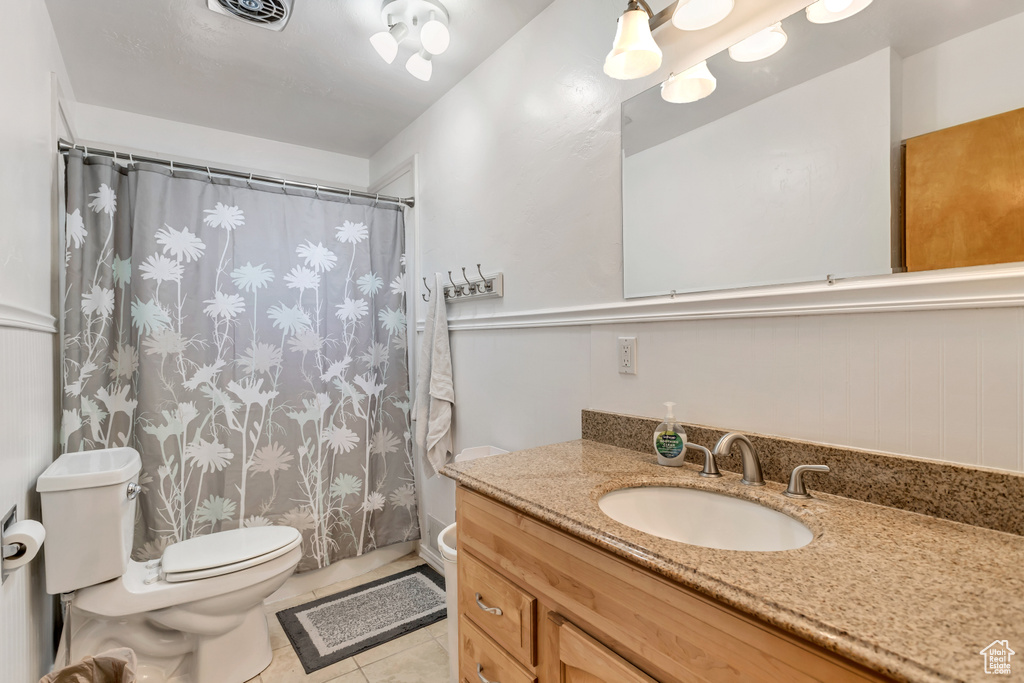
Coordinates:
336 627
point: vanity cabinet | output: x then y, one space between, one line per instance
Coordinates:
539 605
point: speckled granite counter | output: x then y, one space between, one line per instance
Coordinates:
908 595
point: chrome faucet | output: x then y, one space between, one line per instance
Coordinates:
751 465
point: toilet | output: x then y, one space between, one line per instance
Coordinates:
193 616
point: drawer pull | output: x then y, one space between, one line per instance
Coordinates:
480 673
496 611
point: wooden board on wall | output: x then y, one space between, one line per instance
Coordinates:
965 194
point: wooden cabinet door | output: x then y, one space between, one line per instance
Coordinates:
584 660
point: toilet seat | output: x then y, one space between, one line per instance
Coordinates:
225 552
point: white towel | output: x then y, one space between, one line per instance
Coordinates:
435 392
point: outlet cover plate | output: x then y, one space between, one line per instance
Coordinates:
627 355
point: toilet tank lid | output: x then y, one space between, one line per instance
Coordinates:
89 469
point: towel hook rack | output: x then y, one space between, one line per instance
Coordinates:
487 286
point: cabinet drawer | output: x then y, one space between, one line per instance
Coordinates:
584 660
477 650
501 609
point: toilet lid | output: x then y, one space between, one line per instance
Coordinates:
227 548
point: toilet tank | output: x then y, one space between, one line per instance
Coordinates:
89 516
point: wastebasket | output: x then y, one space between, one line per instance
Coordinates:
112 666
447 544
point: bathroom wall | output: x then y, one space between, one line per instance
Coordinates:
964 79
519 169
28 56
165 139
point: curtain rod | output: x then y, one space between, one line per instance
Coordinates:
63 147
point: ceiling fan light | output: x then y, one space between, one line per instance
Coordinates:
386 42
691 85
694 15
435 36
829 11
634 52
419 65
761 45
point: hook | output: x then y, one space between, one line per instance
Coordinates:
457 288
172 167
484 286
470 287
426 297
131 159
86 155
209 176
115 156
249 181
376 199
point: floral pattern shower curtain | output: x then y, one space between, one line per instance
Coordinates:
251 344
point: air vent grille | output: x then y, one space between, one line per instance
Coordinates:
257 11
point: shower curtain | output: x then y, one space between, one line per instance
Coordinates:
250 343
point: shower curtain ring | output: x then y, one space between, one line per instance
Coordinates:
249 181
316 193
131 159
209 176
172 168
86 155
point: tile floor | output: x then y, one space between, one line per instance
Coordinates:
417 657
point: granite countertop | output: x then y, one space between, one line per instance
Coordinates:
911 596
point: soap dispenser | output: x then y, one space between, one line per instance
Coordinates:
670 440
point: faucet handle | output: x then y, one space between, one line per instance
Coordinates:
796 480
710 465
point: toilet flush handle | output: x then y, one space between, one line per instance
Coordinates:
133 490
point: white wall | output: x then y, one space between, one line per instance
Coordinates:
816 153
165 139
519 170
965 79
28 56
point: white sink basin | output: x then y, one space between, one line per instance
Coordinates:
703 518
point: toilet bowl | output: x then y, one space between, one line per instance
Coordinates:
193 616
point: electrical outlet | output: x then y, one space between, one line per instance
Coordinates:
627 355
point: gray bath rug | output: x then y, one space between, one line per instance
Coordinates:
330 629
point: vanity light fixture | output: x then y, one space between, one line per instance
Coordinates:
691 85
634 53
761 45
694 15
419 65
423 23
386 42
829 11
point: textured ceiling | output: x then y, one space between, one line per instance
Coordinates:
318 83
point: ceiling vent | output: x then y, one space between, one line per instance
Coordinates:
271 14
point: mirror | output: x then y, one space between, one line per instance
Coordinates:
790 171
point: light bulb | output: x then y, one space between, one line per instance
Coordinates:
634 52
691 85
761 45
386 42
829 11
419 65
435 36
694 15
